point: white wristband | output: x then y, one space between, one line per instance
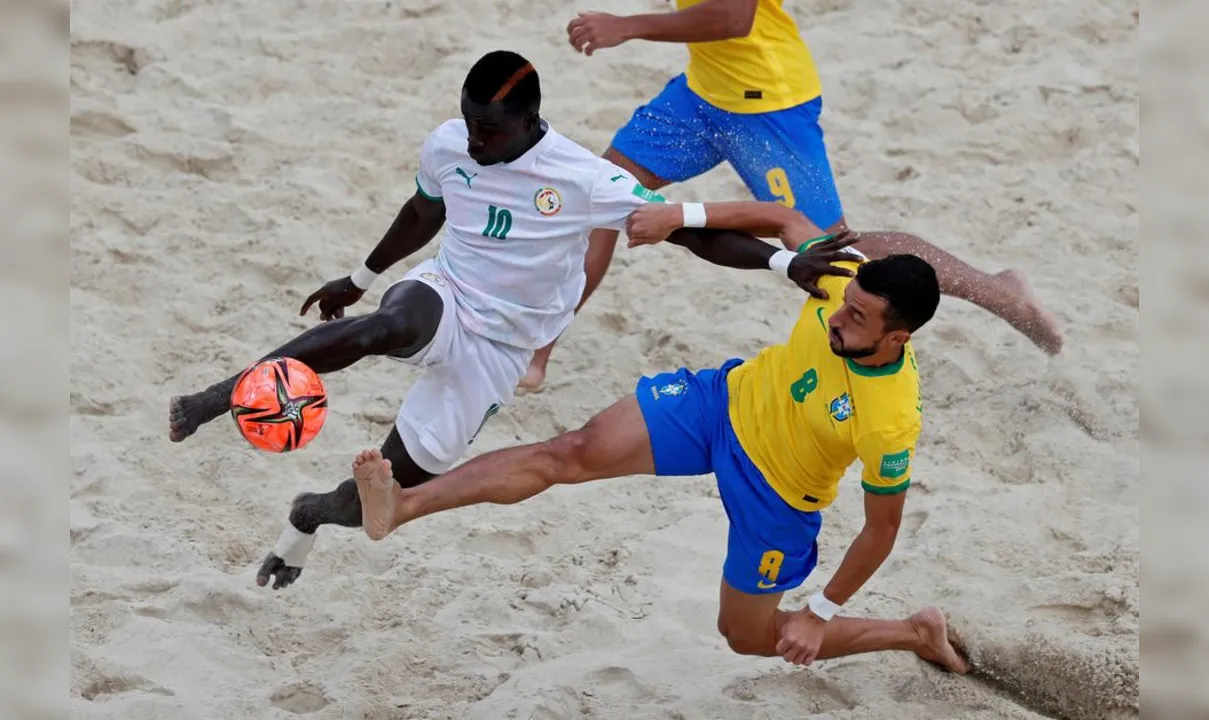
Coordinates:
779 262
293 546
822 607
363 277
694 214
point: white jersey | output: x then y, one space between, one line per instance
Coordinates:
516 233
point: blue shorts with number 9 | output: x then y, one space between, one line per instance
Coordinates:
771 546
780 155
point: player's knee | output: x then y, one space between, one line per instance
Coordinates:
744 637
390 329
741 643
567 456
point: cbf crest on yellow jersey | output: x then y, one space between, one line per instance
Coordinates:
804 415
768 70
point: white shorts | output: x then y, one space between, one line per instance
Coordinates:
467 378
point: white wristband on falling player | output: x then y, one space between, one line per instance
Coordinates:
822 607
694 215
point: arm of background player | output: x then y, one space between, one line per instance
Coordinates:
705 22
417 223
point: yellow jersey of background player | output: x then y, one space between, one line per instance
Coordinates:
768 69
751 96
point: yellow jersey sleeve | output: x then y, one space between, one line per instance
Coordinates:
886 458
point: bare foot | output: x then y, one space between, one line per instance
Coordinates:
536 374
533 379
186 413
376 486
1037 323
933 632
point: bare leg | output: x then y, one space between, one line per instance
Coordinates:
612 444
341 506
1006 295
752 625
403 324
601 243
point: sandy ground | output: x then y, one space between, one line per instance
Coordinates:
230 157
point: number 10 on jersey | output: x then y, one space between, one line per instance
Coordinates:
499 223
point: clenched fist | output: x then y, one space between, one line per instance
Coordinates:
592 31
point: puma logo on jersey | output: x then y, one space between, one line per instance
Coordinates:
466 177
615 178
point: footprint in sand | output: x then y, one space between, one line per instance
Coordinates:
791 688
503 544
300 699
914 521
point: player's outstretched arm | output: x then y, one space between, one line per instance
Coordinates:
1006 294
730 248
651 224
417 223
705 22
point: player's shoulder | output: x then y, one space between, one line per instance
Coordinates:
889 397
573 161
448 138
451 129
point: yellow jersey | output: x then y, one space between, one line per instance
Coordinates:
771 69
804 415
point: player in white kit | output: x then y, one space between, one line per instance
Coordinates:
518 200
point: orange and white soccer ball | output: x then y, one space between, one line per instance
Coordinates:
279 405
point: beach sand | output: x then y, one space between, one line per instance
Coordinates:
228 158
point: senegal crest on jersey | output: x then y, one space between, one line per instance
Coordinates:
547 201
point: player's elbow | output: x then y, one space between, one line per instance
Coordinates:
882 531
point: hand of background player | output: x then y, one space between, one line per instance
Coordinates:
333 297
652 223
592 31
810 265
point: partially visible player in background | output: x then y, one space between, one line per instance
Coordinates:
752 96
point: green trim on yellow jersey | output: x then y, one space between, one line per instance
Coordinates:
810 243
804 415
880 371
892 490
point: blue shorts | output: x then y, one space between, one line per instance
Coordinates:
771 545
780 155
